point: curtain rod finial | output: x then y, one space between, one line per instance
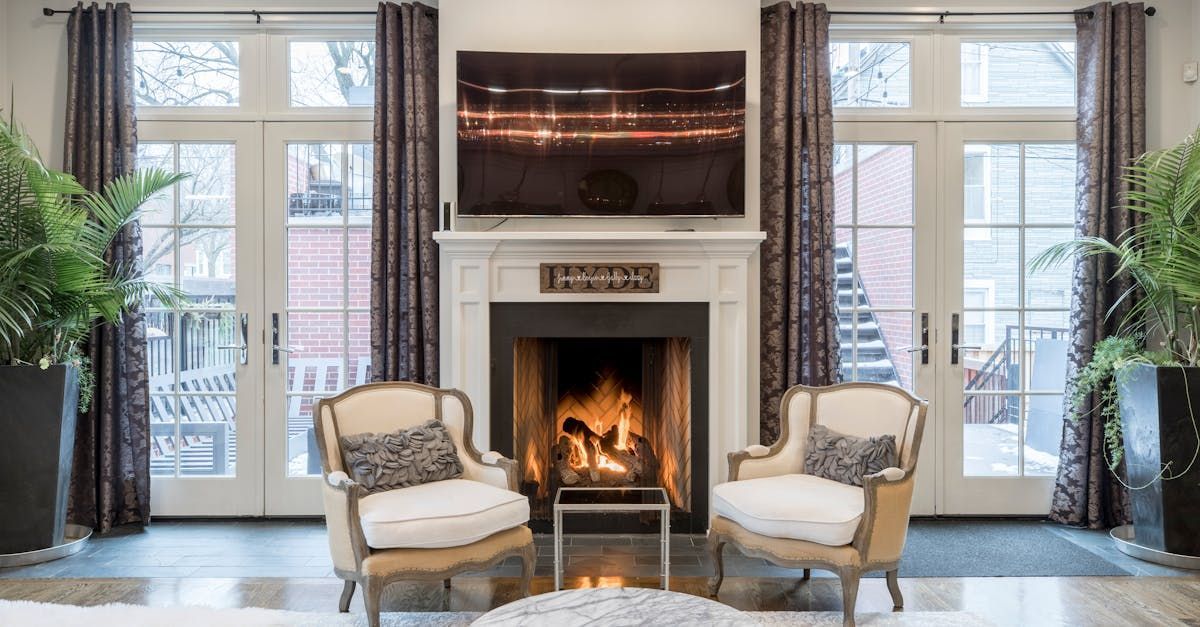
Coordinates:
48 12
1150 11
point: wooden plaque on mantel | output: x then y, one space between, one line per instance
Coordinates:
596 278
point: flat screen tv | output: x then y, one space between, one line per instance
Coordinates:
553 134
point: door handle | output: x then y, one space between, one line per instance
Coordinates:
244 347
276 347
955 346
923 347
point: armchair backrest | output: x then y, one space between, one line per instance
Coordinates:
385 407
859 409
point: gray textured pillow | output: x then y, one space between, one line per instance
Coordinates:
846 458
408 457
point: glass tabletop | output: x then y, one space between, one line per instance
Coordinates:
648 497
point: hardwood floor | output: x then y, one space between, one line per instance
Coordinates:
1002 601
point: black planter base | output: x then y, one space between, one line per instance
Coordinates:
1159 432
37 443
74 539
1126 540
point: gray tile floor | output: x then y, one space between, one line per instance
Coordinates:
297 548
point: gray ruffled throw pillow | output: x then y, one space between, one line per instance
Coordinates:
846 458
404 458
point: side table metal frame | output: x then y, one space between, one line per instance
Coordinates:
664 510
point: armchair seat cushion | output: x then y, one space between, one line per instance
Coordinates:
797 507
455 512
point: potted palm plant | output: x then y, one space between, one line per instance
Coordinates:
1148 374
55 285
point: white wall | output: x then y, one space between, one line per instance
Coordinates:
595 26
33 48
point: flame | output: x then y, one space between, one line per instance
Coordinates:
597 460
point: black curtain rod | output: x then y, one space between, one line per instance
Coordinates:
941 15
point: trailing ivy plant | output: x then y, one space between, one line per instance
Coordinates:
1161 254
55 281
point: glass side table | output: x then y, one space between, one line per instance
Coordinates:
610 501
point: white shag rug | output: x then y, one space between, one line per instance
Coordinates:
33 614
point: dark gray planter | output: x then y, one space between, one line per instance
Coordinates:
1158 429
37 440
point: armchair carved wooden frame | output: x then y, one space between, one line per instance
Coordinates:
375 407
887 495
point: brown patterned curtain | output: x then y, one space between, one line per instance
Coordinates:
799 302
404 260
110 484
1111 133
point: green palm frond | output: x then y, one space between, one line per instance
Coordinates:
55 281
1161 253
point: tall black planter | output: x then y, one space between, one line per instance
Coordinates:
37 438
1158 429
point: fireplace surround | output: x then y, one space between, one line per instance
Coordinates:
711 271
603 394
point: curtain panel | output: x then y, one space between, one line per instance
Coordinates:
110 483
404 259
798 323
1111 133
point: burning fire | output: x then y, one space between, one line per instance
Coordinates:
586 450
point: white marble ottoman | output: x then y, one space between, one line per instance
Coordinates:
615 606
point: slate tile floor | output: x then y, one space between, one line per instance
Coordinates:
298 549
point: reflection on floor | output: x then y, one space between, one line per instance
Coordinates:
298 549
1005 602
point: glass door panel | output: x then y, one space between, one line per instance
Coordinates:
203 454
319 237
884 199
1008 325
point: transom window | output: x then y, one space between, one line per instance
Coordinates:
870 74
331 73
1017 73
186 73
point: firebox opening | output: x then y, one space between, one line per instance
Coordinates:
612 412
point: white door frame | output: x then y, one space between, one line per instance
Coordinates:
241 493
287 495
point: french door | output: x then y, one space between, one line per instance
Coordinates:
885 192
1010 194
270 240
936 225
318 187
204 365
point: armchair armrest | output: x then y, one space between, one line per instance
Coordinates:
757 460
492 468
887 497
341 495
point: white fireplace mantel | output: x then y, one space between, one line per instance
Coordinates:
480 268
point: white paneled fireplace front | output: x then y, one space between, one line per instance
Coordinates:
479 269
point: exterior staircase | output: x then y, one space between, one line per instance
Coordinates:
874 362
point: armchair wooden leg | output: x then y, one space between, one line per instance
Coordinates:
849 579
716 547
446 583
372 591
347 594
807 574
893 584
528 561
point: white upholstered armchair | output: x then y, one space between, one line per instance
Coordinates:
771 509
424 532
